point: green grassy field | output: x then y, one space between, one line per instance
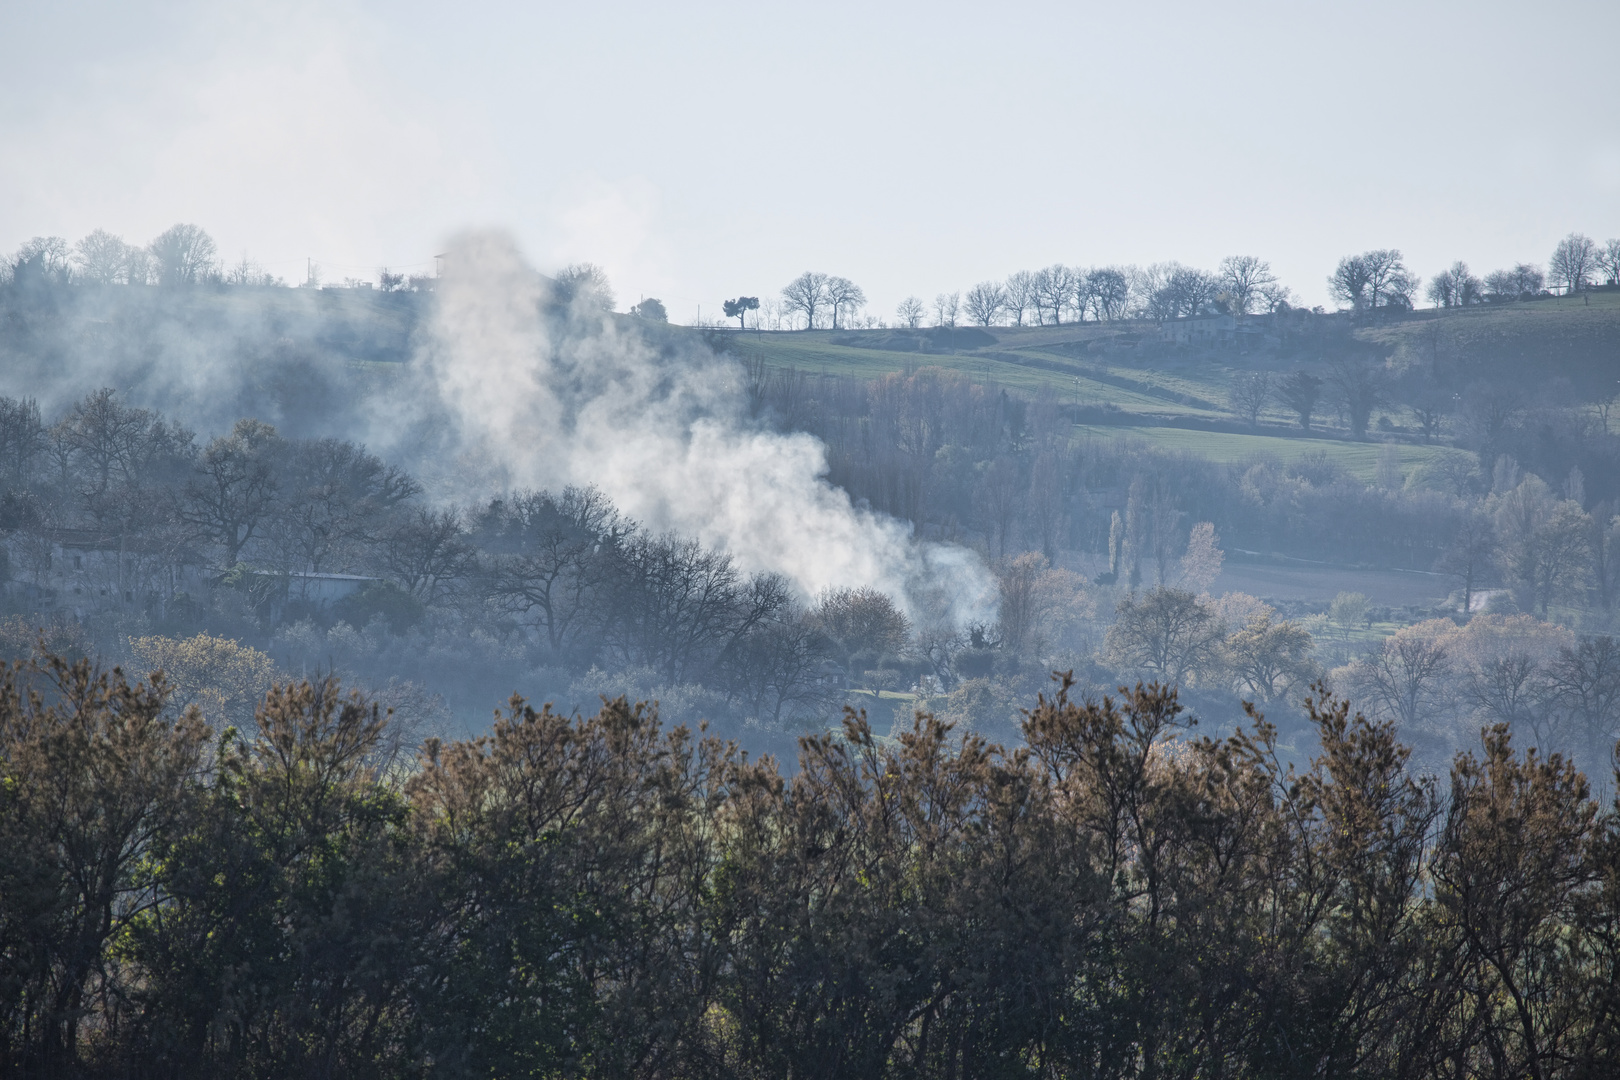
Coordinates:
813 354
1360 459
1574 338
1576 342
1052 376
1076 383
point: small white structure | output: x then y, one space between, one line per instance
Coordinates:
304 590
86 571
1199 330
324 590
831 675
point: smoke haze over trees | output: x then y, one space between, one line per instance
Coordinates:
443 490
522 396
1055 542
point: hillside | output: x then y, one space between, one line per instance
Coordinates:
1574 338
1124 380
292 356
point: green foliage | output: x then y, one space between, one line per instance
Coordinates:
650 309
380 599
292 906
94 778
603 897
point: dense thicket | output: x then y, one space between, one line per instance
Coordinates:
132 526
607 897
159 544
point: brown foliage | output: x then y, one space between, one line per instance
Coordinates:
598 896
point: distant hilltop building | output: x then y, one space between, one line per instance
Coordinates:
1209 330
84 572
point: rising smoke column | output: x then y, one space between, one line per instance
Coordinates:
508 396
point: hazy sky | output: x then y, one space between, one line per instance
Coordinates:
701 150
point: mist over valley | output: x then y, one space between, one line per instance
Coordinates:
600 543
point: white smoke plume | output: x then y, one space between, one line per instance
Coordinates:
509 397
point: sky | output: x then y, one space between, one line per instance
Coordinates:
704 150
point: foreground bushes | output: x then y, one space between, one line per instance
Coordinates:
600 897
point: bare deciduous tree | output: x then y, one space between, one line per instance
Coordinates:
1110 291
777 665
1164 518
1584 684
1573 262
1168 633
1469 557
1191 291
549 558
1243 280
1407 675
1348 282
1269 657
1052 293
1455 287
863 626
1608 262
585 287
1523 280
106 259
183 255
1174 291
231 497
843 296
1276 296
1528 279
1542 543
45 258
22 439
1046 478
985 302
1372 280
1250 393
1020 292
679 608
1001 493
911 312
426 551
807 295
335 499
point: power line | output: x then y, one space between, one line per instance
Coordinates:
272 263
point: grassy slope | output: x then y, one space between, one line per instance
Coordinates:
1041 372
1573 339
1576 338
1359 458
